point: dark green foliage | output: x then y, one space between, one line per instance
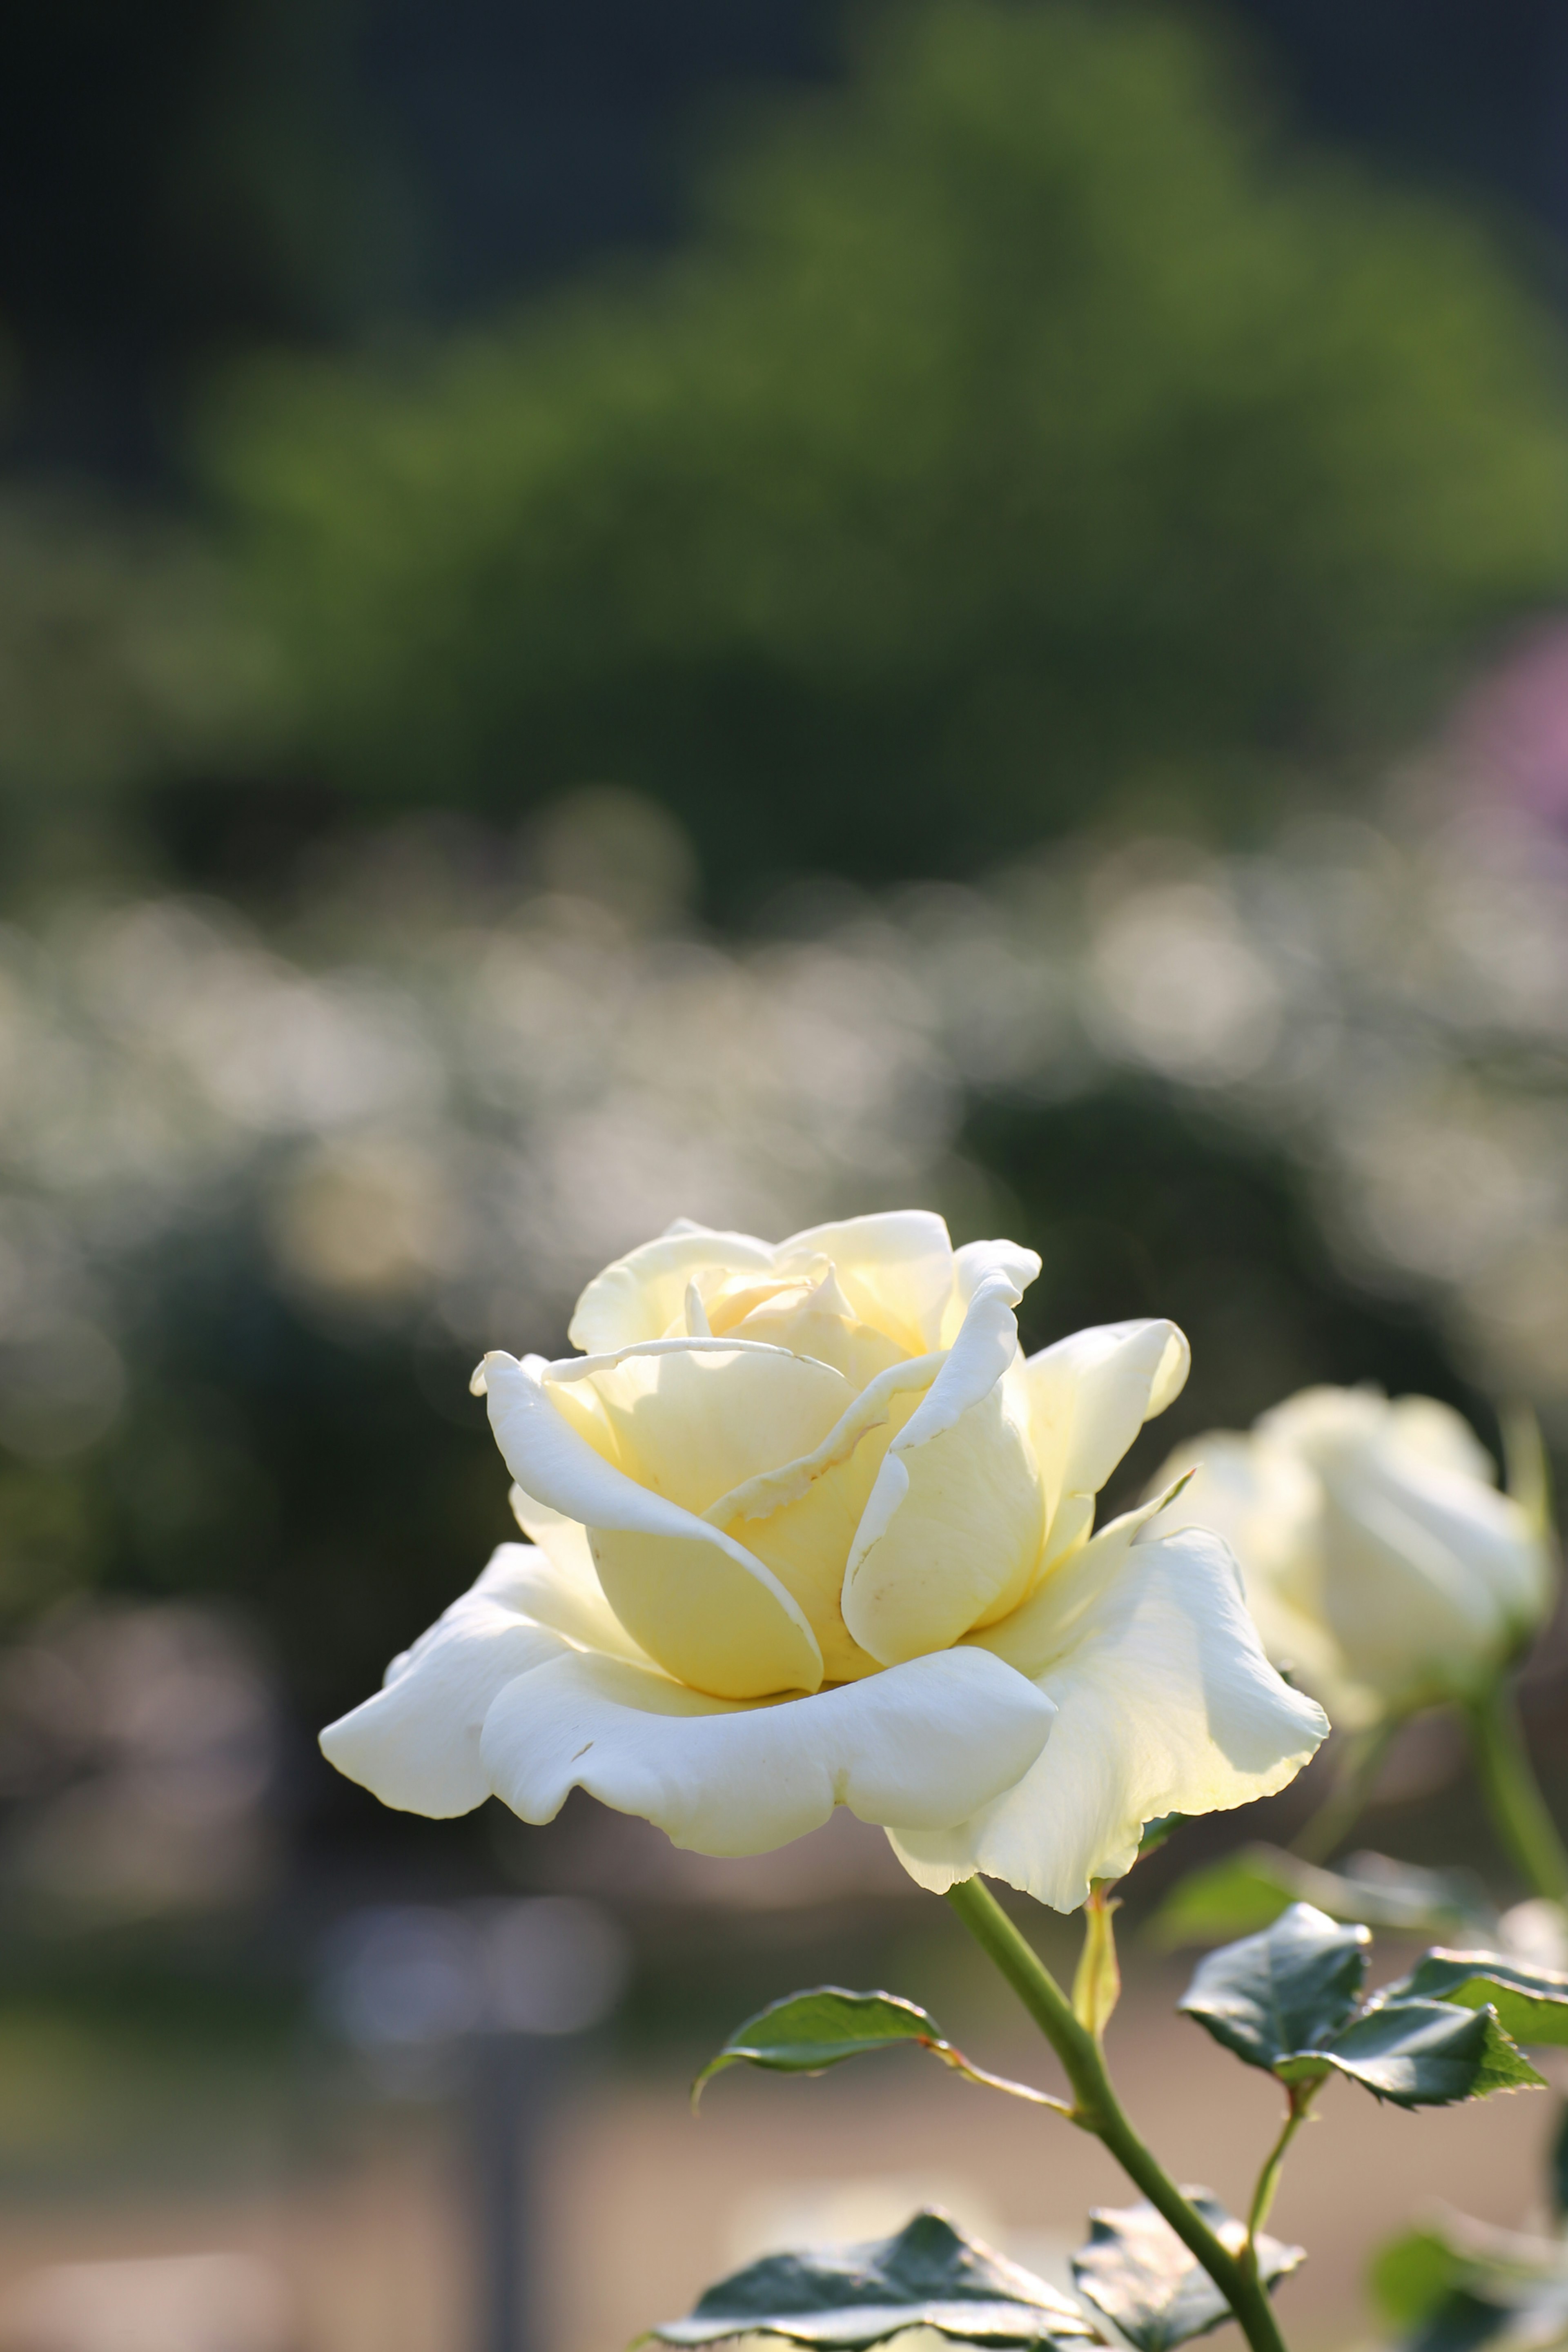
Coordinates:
806 2032
1024 429
1418 2053
1284 2000
841 2298
1138 2273
1283 1991
1531 2004
1457 2285
1252 1888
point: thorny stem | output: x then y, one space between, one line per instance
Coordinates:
1096 2109
1513 1795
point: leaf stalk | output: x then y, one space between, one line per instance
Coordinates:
1300 2097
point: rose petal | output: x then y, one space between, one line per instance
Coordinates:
1429 1574
690 1595
1166 1704
952 1533
1264 1502
592 1623
640 1297
694 1419
971 1264
930 1740
1090 1396
416 1745
895 1270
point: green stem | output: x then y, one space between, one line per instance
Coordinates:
1096 2109
1514 1794
1301 2099
1329 1827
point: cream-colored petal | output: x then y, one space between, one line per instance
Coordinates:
691 1596
952 1533
971 1264
642 1294
1032 1635
692 1419
926 1741
1429 1575
734 1636
592 1623
806 1540
895 1270
1441 1436
1090 1394
1429 1580
1165 1704
416 1744
816 1320
1262 1500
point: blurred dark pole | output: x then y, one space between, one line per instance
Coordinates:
511 2079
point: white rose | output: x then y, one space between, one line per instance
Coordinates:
1381 1563
807 1530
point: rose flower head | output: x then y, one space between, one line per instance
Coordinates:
1381 1563
805 1529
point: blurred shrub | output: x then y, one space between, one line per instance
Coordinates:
265 1199
1027 425
125 660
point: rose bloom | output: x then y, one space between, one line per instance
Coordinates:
1382 1564
807 1529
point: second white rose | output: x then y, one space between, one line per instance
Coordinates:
1382 1565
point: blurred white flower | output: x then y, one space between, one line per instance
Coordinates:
1380 1561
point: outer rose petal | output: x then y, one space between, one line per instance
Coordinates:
690 1595
640 1295
971 1264
923 1742
951 1536
1090 1394
895 1270
1262 1500
1166 1705
416 1745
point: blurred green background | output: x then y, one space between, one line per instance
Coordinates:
742 613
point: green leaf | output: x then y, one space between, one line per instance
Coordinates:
1531 2004
1459 2284
1233 1896
1250 1890
1410 2276
1138 2273
1418 2053
808 2032
1277 1993
840 2298
1156 1832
